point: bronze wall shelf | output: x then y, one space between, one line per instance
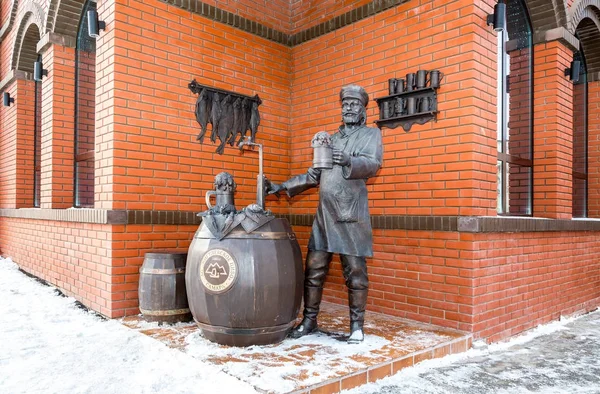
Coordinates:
410 100
406 121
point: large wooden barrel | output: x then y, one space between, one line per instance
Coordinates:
247 288
162 293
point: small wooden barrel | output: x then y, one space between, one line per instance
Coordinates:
162 292
245 289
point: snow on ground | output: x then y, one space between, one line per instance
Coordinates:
316 357
559 357
49 345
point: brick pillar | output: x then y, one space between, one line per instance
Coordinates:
552 131
104 188
58 106
594 149
16 144
25 103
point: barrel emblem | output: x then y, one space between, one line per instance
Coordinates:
218 270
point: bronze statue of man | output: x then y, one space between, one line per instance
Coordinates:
342 224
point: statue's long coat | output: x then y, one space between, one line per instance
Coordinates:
342 224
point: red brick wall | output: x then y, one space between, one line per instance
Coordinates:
16 148
86 112
420 275
96 264
7 43
130 243
441 168
594 149
105 99
5 8
157 163
495 285
8 159
73 256
58 117
520 131
553 131
306 14
271 13
525 279
580 112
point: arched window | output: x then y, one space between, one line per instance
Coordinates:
515 118
580 137
37 141
85 110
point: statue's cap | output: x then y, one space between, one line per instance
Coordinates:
354 91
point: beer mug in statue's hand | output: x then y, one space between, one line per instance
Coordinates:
322 151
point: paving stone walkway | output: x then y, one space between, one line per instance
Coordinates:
566 359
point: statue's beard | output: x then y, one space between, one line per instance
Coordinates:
351 118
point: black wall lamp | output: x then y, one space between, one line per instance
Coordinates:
7 99
39 71
573 71
498 18
94 25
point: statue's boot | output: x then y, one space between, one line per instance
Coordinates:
357 300
312 301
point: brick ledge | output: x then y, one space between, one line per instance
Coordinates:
468 224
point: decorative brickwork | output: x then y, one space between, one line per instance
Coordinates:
63 17
587 29
327 11
580 10
28 34
546 15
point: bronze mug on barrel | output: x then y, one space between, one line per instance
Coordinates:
223 198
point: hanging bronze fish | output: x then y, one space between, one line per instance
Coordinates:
245 118
237 118
203 107
254 121
215 115
226 122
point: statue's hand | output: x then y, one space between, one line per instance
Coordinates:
341 158
273 188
